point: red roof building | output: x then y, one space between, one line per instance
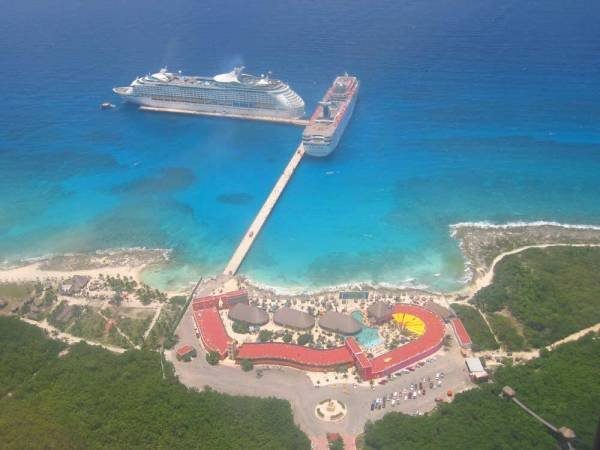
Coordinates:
214 337
212 331
220 301
360 358
295 355
184 351
461 333
425 345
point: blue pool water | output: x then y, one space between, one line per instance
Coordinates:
470 111
368 337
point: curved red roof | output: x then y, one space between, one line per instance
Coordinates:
418 349
295 354
212 331
214 336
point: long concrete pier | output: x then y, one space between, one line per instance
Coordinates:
260 219
296 122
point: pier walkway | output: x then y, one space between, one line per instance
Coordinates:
260 219
296 122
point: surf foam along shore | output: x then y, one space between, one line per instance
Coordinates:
481 242
390 288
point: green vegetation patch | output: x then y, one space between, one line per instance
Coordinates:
506 332
166 323
23 351
552 292
92 398
16 291
480 333
562 386
134 322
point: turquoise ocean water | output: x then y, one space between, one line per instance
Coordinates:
468 111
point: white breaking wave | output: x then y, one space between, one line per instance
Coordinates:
353 285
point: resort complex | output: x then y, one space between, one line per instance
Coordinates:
333 335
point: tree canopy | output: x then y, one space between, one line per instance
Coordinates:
552 292
92 398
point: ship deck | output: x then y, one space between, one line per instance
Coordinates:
295 122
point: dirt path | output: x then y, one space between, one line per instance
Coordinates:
575 336
154 319
488 276
55 333
123 335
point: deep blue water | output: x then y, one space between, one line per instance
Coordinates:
468 111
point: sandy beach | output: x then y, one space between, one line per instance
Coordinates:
123 262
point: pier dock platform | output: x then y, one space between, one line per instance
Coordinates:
260 219
295 122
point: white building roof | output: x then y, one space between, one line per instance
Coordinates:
474 365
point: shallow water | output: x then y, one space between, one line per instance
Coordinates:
470 112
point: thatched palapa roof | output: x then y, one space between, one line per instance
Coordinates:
379 311
339 323
288 317
249 314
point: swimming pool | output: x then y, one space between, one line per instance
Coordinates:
368 337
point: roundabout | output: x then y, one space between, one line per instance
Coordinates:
330 410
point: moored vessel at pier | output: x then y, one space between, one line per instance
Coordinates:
330 118
233 94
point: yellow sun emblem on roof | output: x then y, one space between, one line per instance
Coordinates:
410 323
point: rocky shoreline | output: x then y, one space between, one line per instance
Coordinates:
480 243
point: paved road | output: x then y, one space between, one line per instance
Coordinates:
294 386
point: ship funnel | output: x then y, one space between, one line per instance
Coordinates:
326 109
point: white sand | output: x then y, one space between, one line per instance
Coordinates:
32 272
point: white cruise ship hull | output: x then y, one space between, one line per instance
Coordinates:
321 150
221 110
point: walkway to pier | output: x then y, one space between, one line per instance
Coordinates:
260 219
296 122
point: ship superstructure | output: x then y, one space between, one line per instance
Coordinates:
329 120
234 94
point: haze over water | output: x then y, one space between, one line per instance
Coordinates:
468 111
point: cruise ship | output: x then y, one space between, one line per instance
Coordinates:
232 94
329 120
